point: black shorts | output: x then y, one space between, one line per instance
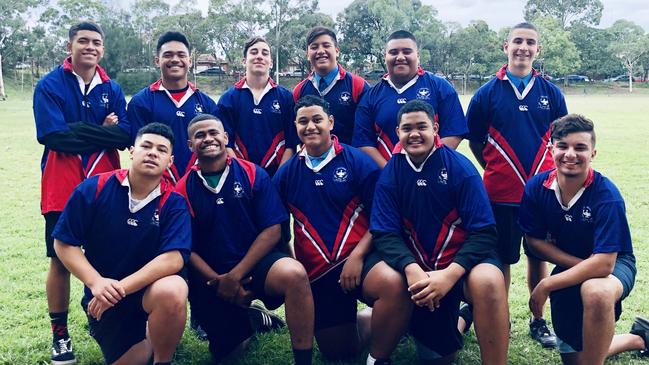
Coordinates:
226 324
51 218
509 234
567 307
334 307
120 327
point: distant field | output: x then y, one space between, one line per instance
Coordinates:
623 136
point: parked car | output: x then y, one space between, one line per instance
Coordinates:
621 78
374 74
212 71
572 79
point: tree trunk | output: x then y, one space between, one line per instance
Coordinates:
631 79
3 96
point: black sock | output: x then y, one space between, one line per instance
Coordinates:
59 322
302 357
163 363
383 362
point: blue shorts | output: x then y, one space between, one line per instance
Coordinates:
567 307
510 235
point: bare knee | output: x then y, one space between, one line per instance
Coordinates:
487 283
168 294
383 282
287 275
597 297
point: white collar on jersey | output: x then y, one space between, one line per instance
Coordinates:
134 205
329 87
96 80
219 186
527 89
178 104
557 193
263 93
421 167
331 154
404 87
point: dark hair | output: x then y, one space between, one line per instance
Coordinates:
316 32
171 37
200 118
159 129
523 25
251 42
401 34
91 26
572 123
414 106
311 100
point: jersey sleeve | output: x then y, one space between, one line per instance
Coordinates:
279 181
368 172
561 108
268 206
530 217
48 111
72 227
175 227
451 116
477 118
138 114
611 228
119 108
225 110
364 132
473 204
385 215
288 120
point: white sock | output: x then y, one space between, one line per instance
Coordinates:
370 360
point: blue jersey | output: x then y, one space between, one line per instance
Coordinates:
516 129
227 219
434 207
259 132
376 115
116 240
155 104
59 100
343 95
593 222
330 204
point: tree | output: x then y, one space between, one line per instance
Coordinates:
567 12
559 55
629 45
597 60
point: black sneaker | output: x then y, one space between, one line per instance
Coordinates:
540 331
640 327
197 329
466 312
62 352
262 320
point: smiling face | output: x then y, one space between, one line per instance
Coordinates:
208 139
573 154
416 133
151 154
323 54
258 60
314 129
86 48
402 59
174 61
521 48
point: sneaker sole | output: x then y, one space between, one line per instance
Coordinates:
63 362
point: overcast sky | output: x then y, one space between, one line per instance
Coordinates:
501 13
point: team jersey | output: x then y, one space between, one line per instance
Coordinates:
376 115
155 104
59 100
343 95
330 204
227 219
434 207
118 240
515 128
259 132
593 222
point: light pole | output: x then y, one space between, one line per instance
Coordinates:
278 20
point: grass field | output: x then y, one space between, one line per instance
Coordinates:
623 137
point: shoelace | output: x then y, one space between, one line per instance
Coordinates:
63 346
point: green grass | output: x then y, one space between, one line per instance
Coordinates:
623 134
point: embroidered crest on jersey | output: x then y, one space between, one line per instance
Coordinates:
198 108
155 220
586 214
544 102
275 107
345 98
104 100
423 93
443 177
340 174
238 189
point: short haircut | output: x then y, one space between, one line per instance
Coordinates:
572 123
159 129
311 100
200 118
414 106
87 25
401 34
171 37
523 25
316 32
251 42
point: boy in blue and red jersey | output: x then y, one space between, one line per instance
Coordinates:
328 188
80 118
431 221
376 115
509 121
237 215
258 113
172 100
135 234
340 88
575 218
